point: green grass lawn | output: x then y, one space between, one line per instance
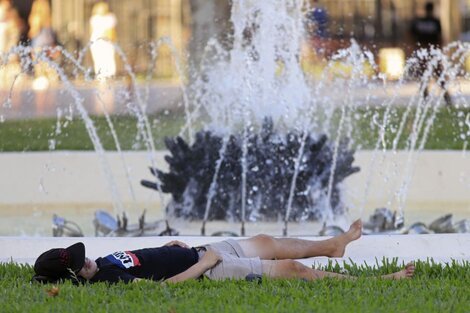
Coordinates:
435 288
450 130
36 134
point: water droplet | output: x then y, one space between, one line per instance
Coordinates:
8 103
52 143
41 186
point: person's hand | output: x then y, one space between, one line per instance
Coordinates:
177 243
210 259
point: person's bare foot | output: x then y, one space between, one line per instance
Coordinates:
405 273
355 230
340 242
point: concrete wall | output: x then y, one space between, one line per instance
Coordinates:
61 177
402 179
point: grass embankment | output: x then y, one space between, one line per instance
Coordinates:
435 288
450 130
36 134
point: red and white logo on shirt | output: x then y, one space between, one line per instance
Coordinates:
124 259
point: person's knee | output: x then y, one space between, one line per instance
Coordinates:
294 267
265 240
285 269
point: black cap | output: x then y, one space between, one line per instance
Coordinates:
57 263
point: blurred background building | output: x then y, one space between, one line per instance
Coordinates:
138 23
387 22
190 23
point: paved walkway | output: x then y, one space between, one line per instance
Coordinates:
27 103
30 103
369 249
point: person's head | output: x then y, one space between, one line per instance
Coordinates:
100 8
59 263
429 8
89 269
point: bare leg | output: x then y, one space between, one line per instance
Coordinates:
269 248
294 269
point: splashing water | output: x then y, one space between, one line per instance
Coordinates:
261 75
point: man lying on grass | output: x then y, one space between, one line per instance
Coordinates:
175 262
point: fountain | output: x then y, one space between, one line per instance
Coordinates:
205 178
264 140
262 155
228 170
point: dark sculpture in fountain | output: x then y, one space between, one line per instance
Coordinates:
270 166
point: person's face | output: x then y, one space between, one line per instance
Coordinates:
89 269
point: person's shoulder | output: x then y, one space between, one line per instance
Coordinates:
414 23
416 20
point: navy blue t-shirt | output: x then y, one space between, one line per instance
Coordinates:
151 263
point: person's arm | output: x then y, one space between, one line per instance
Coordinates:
208 261
113 276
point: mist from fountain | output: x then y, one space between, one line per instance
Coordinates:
262 75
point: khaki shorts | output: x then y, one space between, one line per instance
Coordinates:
234 264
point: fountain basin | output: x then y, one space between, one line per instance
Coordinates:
35 185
